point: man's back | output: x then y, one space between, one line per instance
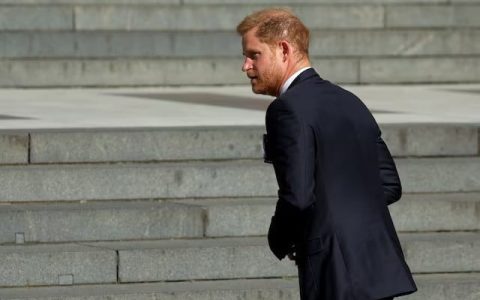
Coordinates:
343 229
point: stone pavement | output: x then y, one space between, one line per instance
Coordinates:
217 106
114 193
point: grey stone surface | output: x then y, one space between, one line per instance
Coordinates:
48 44
412 213
219 17
65 72
431 287
433 16
274 2
148 44
232 258
237 217
145 72
38 18
147 144
85 2
44 265
209 2
411 42
256 289
225 143
437 212
250 257
14 148
446 287
211 71
420 70
439 175
134 181
431 140
202 179
442 253
100 221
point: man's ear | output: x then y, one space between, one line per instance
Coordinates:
286 49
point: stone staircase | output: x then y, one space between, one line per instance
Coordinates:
45 43
182 213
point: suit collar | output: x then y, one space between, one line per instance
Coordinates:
305 75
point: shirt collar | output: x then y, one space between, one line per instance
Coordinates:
290 79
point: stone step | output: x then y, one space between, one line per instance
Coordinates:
250 257
463 286
144 220
72 222
201 259
101 145
226 17
32 265
413 213
215 44
191 71
222 2
236 178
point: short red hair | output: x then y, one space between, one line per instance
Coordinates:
275 24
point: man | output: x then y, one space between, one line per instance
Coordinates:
334 172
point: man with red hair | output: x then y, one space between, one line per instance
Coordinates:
335 174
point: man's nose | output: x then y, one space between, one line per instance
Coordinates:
247 64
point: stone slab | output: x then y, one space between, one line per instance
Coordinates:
85 2
135 181
145 72
132 72
218 17
225 143
15 148
35 17
215 44
61 44
236 217
431 140
131 220
135 220
413 213
147 144
250 257
446 287
241 258
437 212
256 289
420 70
431 287
395 42
153 72
216 2
423 175
442 253
31 265
342 2
202 179
433 16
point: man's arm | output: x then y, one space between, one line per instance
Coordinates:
392 188
293 156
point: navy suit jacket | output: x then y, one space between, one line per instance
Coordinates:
336 178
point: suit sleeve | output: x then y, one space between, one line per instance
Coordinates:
293 158
392 188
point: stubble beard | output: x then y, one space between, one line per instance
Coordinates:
267 83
